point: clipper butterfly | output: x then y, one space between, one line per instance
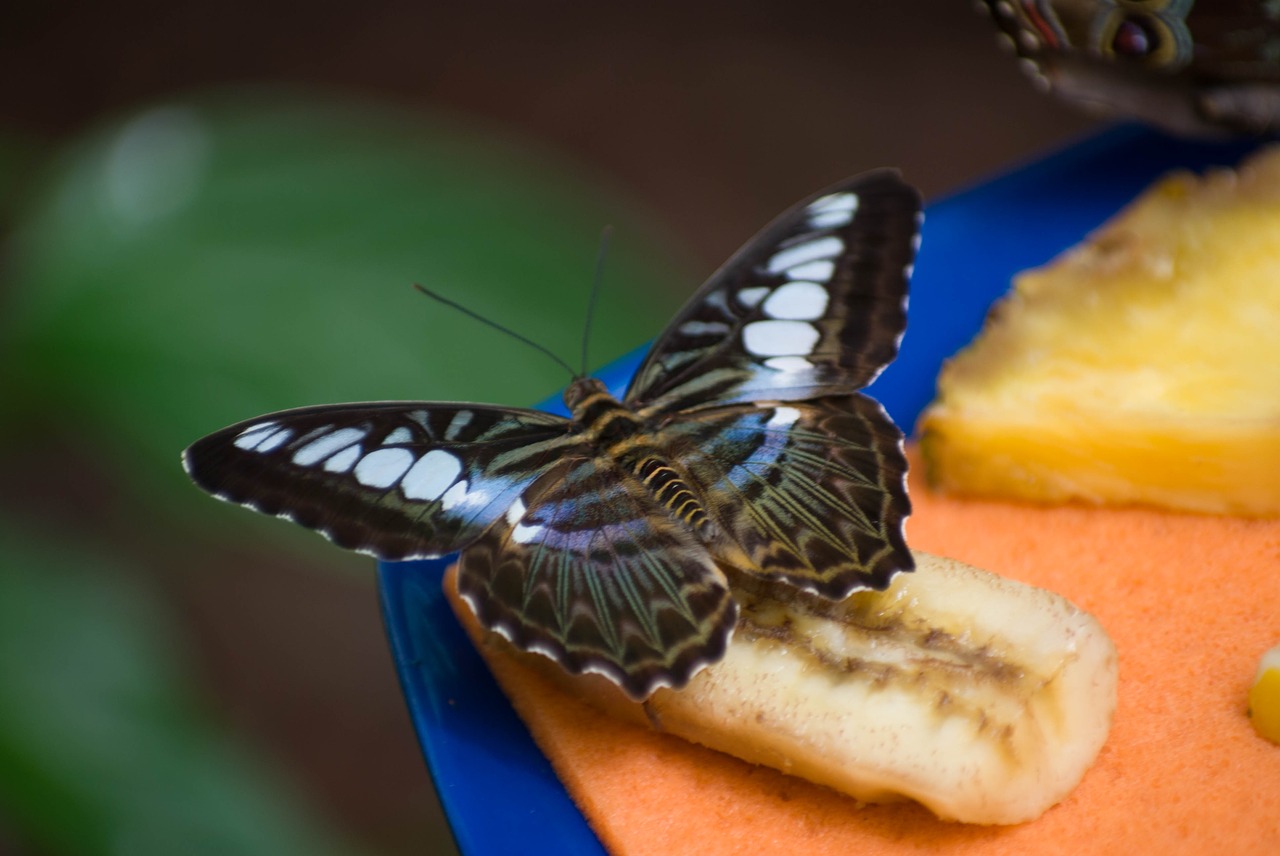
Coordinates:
602 540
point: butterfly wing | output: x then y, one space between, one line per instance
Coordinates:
813 305
1193 68
397 480
589 571
813 493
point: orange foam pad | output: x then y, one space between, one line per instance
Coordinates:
1192 602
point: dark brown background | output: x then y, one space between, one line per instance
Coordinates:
715 115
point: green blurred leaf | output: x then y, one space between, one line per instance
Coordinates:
18 155
206 262
101 748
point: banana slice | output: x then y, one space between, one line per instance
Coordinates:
982 698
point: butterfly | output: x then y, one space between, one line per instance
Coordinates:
1190 67
605 540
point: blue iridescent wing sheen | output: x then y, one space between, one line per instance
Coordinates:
397 480
588 570
812 493
814 305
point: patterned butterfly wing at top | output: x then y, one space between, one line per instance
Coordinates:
587 569
397 480
814 305
1195 68
813 493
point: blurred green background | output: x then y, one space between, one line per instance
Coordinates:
212 211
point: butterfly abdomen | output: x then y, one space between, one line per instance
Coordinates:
671 491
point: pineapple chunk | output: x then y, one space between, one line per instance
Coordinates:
1142 366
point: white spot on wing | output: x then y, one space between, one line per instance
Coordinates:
400 435
788 364
751 296
704 328
275 441
479 496
820 271
779 338
431 475
836 209
382 468
520 532
515 512
454 495
249 438
822 248
797 301
523 534
344 460
783 417
460 420
327 444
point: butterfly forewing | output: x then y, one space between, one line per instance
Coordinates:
397 480
814 305
588 570
810 492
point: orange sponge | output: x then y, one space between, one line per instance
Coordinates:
1191 603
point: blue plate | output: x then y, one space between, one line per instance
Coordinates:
497 789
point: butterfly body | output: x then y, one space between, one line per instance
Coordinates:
602 539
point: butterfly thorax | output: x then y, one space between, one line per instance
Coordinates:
597 412
618 433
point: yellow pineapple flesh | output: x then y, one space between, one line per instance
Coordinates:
1142 366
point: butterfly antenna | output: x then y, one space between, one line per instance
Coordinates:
495 325
605 234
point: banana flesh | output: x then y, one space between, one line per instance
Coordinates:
982 698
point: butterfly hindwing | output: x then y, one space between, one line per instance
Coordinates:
814 305
813 492
397 480
589 571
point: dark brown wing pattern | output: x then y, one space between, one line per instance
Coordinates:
592 573
812 492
